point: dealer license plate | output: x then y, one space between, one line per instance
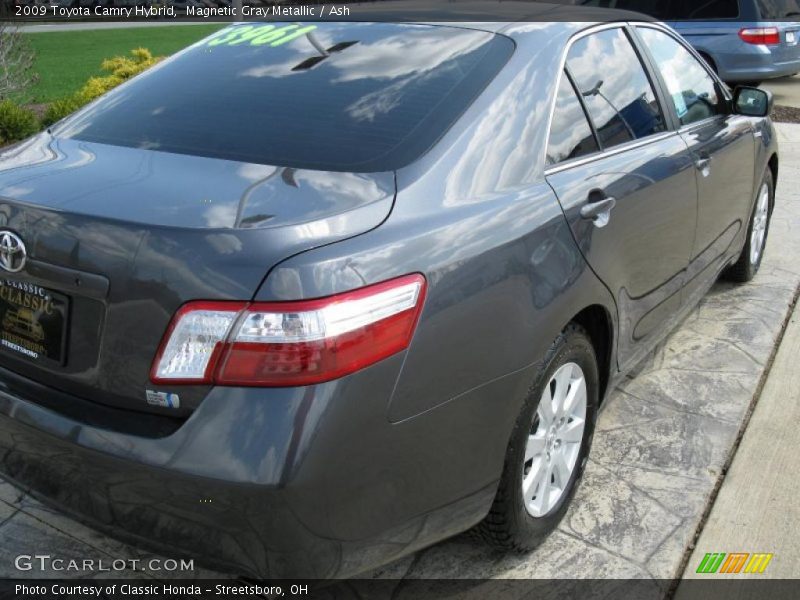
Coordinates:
33 321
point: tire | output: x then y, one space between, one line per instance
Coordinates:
512 522
749 261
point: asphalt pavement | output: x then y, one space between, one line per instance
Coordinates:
786 90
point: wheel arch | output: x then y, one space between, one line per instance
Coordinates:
709 59
597 322
772 163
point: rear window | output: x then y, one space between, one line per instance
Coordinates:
331 96
773 10
615 88
571 136
676 10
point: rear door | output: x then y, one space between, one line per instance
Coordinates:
626 183
722 147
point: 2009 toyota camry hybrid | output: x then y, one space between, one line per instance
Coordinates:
305 298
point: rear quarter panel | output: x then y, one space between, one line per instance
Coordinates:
504 275
476 217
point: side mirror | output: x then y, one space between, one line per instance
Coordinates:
752 102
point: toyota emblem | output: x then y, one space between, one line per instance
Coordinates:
12 252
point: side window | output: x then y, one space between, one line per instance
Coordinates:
654 8
570 134
773 10
708 10
693 91
616 90
674 10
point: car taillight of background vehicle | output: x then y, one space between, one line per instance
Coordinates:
769 36
274 344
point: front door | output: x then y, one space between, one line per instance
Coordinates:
723 150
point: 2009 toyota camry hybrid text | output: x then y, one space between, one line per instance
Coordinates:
362 285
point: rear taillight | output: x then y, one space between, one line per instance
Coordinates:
761 35
288 343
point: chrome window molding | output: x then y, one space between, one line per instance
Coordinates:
632 145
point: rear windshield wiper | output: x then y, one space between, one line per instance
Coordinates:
323 53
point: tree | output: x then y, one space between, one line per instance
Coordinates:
16 62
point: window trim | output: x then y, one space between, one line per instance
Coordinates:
644 60
619 149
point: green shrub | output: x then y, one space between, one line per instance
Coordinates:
60 109
119 68
16 123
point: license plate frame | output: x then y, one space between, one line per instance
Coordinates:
34 322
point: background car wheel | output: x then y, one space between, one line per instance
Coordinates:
709 61
549 446
753 252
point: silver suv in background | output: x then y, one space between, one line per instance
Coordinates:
744 41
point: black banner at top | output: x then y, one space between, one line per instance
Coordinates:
165 11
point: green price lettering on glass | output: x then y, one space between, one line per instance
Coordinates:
259 35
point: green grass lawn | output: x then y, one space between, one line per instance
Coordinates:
66 59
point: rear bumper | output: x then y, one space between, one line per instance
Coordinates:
746 62
298 482
736 60
755 72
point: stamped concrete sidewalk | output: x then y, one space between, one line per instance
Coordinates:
756 510
662 443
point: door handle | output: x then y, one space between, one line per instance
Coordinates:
703 164
599 211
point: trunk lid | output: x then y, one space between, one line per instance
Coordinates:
118 238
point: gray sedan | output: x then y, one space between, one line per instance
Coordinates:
308 297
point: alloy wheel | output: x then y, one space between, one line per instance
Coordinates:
554 442
760 220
